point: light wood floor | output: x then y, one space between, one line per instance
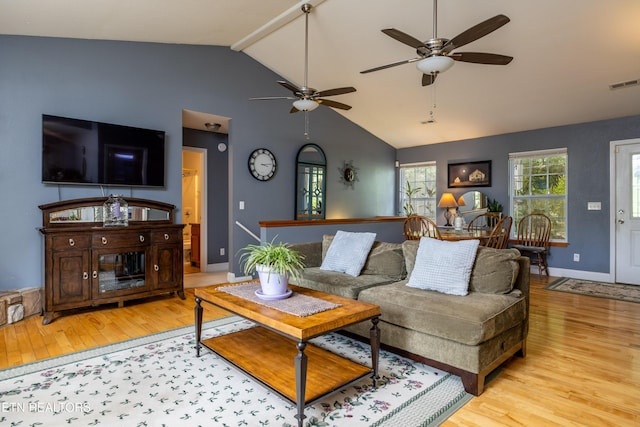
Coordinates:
582 366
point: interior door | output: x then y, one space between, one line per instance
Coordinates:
627 212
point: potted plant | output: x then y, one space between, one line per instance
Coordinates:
493 205
408 204
275 263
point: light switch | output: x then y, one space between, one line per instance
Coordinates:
241 207
594 206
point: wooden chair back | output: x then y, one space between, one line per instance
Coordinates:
485 221
499 237
534 230
417 226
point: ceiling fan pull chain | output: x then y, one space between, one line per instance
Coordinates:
306 125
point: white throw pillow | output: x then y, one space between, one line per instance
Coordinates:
348 252
444 266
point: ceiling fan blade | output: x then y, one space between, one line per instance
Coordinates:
428 79
481 58
293 110
395 64
337 91
404 38
333 104
476 32
289 86
266 98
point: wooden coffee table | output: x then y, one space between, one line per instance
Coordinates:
277 353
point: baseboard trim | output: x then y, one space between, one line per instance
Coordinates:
576 274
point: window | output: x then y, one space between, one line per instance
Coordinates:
538 183
418 189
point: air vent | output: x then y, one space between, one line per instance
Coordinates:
624 84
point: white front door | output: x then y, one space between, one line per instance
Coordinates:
627 211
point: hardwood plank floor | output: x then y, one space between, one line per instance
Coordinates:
582 366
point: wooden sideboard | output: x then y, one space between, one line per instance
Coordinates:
87 264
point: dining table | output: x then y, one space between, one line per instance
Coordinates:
452 235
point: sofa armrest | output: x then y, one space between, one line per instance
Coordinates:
312 252
522 281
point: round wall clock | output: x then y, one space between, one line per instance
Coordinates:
262 164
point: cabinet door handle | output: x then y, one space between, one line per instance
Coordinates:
141 238
85 275
95 274
166 236
72 242
104 240
155 267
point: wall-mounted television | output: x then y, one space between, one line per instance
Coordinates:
86 152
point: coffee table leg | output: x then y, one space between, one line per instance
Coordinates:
198 314
375 348
301 381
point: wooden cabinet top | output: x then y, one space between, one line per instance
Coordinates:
87 213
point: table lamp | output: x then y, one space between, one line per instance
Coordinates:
446 202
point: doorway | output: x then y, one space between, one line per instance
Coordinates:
194 208
625 211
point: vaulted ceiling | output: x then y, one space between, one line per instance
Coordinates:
566 55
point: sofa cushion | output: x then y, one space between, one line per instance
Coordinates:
495 271
348 252
386 259
471 320
443 266
339 283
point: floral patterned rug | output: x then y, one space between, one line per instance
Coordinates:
596 289
158 381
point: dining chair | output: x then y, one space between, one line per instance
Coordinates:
533 234
417 226
485 221
499 236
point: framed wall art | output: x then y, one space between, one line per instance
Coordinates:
469 174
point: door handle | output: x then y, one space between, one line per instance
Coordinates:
621 221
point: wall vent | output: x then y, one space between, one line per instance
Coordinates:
624 84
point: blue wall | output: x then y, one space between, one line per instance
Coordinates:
588 179
148 85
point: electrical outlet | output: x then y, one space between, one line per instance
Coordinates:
576 257
221 251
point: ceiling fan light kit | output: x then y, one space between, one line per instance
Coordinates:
305 105
435 64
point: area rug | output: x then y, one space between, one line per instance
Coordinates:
596 289
158 381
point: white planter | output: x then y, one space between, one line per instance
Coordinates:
273 284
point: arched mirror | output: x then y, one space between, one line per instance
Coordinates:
311 170
473 204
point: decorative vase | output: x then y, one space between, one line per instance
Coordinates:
115 211
273 284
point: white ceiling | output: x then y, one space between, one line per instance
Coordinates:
567 53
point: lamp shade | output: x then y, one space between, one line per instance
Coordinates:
461 201
447 201
305 104
435 64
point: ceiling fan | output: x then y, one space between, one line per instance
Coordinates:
308 98
436 54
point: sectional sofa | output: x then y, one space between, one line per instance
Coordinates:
468 335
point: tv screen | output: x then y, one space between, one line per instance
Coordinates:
86 152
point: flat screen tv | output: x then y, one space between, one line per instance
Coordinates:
86 152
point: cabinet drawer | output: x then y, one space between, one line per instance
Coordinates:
167 236
112 240
70 241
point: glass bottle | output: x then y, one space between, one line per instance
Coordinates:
115 211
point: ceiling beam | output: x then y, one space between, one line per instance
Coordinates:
279 21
